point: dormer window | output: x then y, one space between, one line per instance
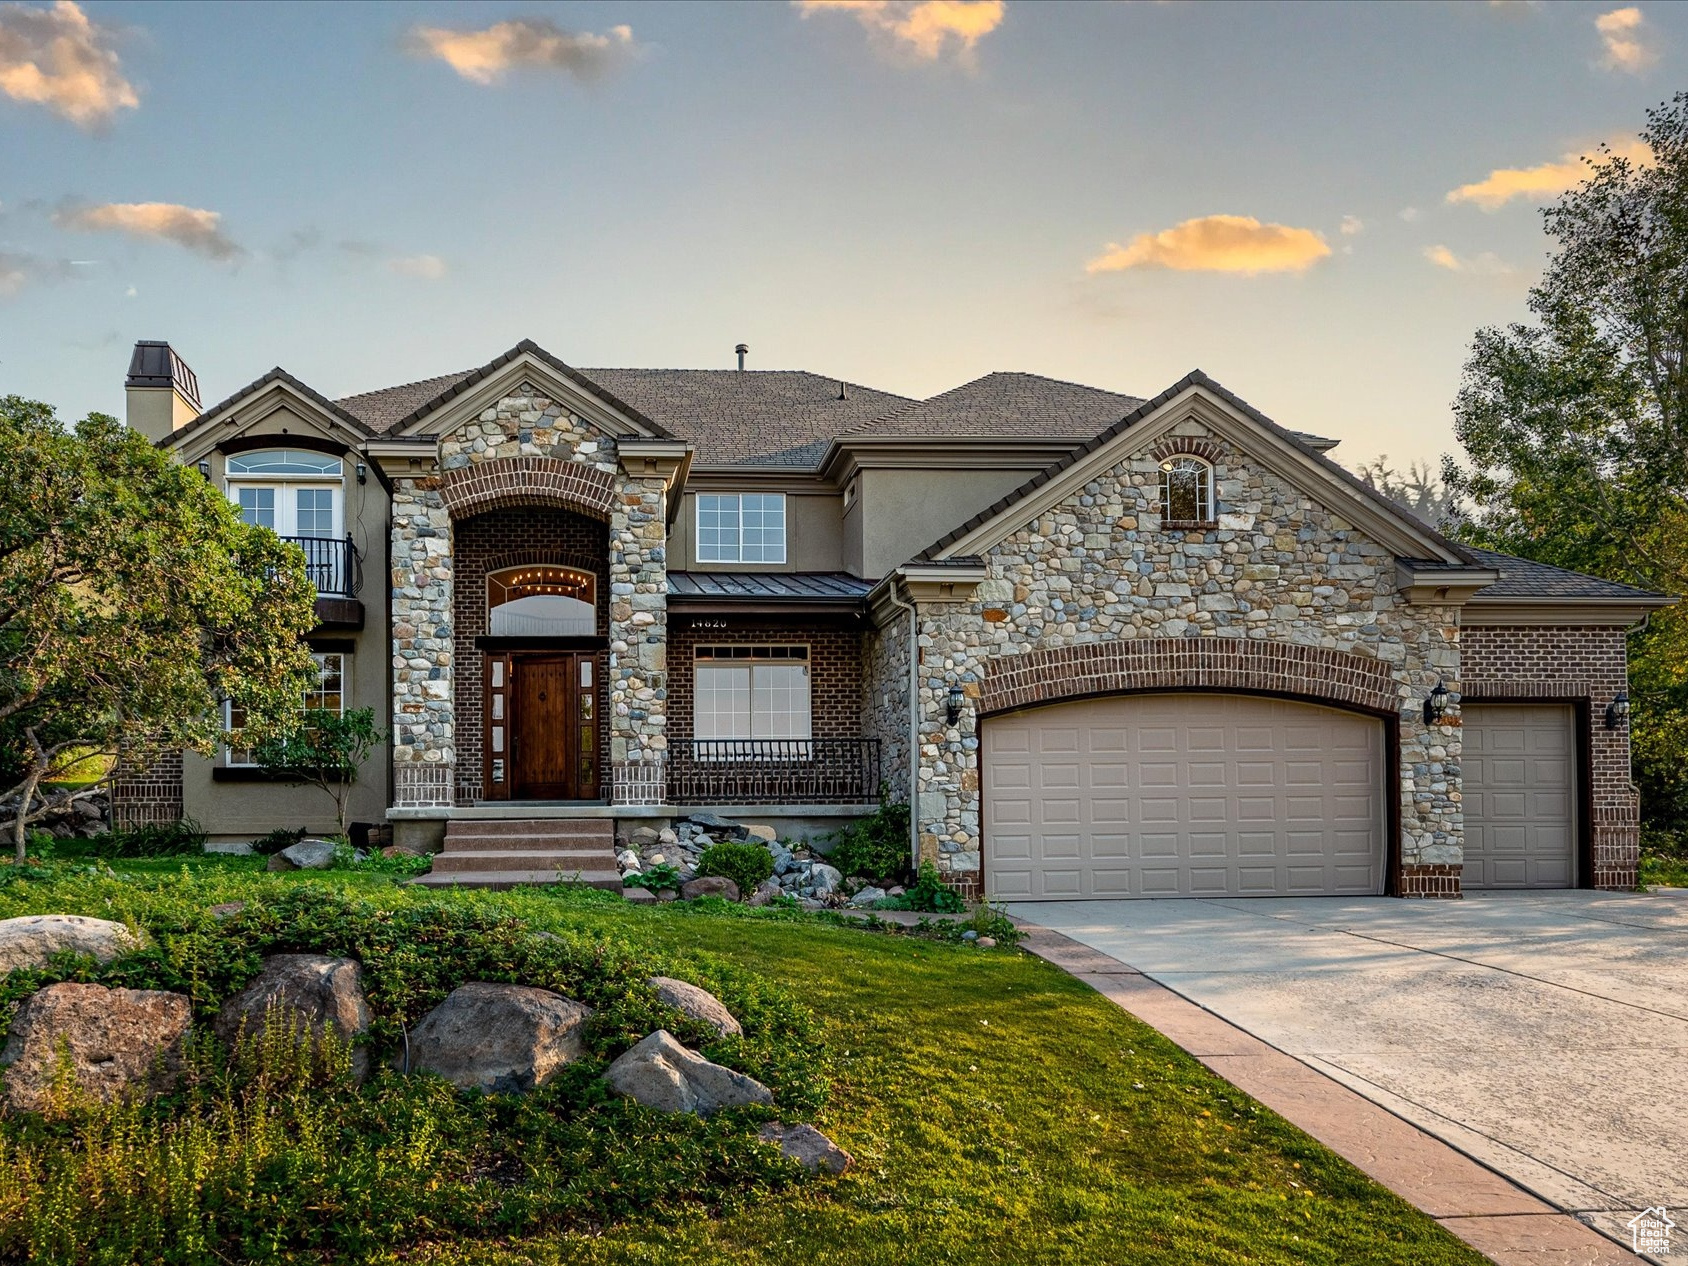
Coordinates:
1186 497
741 527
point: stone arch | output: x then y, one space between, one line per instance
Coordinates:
505 482
1280 668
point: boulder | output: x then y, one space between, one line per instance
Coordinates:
719 826
757 831
305 855
662 1074
29 941
867 896
402 850
503 1039
118 1040
306 992
709 886
765 892
89 811
986 942
698 1003
667 836
627 859
825 878
644 836
808 1147
783 861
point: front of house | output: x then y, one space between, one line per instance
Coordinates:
1104 646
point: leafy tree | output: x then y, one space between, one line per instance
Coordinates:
133 601
1575 427
1417 489
325 749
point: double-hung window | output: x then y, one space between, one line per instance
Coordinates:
741 527
743 695
327 694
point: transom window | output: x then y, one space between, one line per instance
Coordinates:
292 492
741 527
750 692
1186 490
327 694
541 602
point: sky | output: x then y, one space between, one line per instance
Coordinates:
1316 204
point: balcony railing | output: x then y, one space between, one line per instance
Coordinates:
774 771
332 564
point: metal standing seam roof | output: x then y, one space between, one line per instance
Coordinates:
794 587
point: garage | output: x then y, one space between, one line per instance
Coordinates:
1183 795
1519 773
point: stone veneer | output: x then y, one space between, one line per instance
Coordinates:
1274 567
884 699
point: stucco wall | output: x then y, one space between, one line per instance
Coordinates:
898 513
813 533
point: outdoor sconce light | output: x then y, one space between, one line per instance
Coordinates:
1436 706
205 469
363 473
1617 711
953 702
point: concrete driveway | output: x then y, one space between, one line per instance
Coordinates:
1544 1034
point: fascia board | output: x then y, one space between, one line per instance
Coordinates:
490 390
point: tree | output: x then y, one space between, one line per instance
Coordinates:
1575 427
133 601
325 749
1417 490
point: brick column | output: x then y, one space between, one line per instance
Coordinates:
638 641
424 746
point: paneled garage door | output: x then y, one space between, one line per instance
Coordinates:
1519 774
1182 795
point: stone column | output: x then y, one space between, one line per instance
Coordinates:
639 641
424 745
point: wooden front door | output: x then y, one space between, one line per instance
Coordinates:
547 706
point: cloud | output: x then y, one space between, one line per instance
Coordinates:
1351 226
537 43
1409 214
198 230
1620 32
925 28
59 59
18 271
427 267
1219 244
1485 265
1542 182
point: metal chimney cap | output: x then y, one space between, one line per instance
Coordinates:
742 348
155 363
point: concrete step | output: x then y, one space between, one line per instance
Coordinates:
545 843
609 880
449 862
586 828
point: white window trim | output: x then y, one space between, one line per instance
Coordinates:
230 752
1163 499
287 487
744 656
738 499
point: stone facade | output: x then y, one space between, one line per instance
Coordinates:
424 723
886 652
638 673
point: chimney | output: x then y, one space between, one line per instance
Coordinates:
163 394
743 350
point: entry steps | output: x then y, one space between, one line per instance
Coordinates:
505 852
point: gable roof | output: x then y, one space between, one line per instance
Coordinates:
1005 404
278 374
1196 378
381 410
1522 578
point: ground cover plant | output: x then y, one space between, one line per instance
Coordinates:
998 1110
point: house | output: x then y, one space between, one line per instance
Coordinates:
1105 646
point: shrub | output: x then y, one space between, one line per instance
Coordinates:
746 863
278 839
875 847
655 878
927 894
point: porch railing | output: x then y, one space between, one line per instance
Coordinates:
332 564
774 771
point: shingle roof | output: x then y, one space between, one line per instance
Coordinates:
1005 404
1521 578
381 410
278 374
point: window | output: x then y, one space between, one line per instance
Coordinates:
1186 490
541 602
292 492
749 692
747 527
327 693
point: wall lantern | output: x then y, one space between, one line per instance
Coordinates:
1436 706
953 702
1617 711
205 469
363 473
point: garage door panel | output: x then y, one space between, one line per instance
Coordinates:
1519 777
1205 795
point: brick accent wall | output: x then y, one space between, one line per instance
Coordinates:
1581 663
835 668
527 481
512 538
1429 881
151 793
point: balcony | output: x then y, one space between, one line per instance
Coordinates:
336 569
774 771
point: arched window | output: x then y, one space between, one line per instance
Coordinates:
1186 490
293 492
541 601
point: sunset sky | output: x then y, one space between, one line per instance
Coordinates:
1316 204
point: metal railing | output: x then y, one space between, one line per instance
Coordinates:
333 564
774 771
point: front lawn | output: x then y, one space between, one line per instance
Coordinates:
999 1112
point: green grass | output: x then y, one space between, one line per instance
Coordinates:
999 1111
1663 872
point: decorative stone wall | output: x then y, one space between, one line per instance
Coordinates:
1575 664
424 724
884 699
638 673
1277 567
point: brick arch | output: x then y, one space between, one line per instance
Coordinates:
527 481
1098 668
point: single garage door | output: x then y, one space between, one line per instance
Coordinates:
1519 774
1183 795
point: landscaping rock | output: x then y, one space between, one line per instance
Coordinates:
867 896
808 1147
88 810
667 836
305 855
118 1040
757 831
639 896
986 942
503 1039
627 859
662 1074
826 879
643 836
719 827
698 1003
766 891
29 941
306 992
227 910
709 886
783 861
402 850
